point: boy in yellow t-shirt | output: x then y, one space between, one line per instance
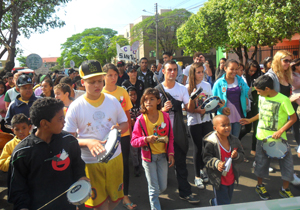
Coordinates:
20 127
274 110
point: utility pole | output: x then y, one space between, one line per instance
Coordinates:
156 21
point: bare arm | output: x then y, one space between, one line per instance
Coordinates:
290 122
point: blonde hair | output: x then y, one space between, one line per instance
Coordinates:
277 66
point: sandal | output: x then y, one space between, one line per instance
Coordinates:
128 205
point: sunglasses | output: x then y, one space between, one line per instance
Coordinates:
286 60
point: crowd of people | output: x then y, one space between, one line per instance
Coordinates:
60 123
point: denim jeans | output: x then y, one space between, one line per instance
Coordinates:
235 129
157 175
223 195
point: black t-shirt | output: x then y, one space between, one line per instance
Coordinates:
122 79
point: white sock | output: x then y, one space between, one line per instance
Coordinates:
282 189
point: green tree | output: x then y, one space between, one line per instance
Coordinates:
25 17
93 43
22 60
236 25
57 67
168 23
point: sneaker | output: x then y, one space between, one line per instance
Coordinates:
286 193
204 176
271 170
211 202
190 199
296 180
262 192
199 183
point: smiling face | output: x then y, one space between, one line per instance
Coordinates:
46 88
285 62
231 70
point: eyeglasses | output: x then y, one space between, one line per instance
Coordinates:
286 60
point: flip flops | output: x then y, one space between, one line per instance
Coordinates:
128 205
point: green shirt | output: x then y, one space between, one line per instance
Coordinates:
273 115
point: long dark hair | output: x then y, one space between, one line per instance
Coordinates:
213 70
252 63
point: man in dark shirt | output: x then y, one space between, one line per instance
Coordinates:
133 81
123 76
145 75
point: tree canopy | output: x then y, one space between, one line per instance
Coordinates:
168 23
25 17
94 43
236 25
22 60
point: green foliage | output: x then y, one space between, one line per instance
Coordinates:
240 24
168 23
22 60
57 67
93 43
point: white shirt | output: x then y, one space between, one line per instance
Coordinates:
180 93
195 118
94 122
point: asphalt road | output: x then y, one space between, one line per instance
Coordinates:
244 192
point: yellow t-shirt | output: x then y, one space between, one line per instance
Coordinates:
123 97
6 153
158 129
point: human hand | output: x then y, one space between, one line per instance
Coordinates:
244 121
221 166
84 178
151 139
202 111
294 97
277 134
168 105
171 161
95 146
222 103
226 111
159 66
234 154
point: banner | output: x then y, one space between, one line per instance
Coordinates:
126 53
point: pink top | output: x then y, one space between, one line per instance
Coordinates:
2 105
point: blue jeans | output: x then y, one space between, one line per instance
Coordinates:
223 195
235 129
157 175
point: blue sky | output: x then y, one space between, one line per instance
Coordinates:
82 14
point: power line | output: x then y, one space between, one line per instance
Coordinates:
195 5
181 3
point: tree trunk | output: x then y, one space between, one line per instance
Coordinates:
246 53
239 53
10 61
255 52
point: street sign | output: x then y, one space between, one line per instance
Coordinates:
72 63
34 61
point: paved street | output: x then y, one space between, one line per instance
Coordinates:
244 192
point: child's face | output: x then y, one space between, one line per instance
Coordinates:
111 77
46 88
59 94
240 70
263 93
10 80
133 96
21 130
223 127
199 74
231 70
93 86
151 102
57 122
26 91
252 70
